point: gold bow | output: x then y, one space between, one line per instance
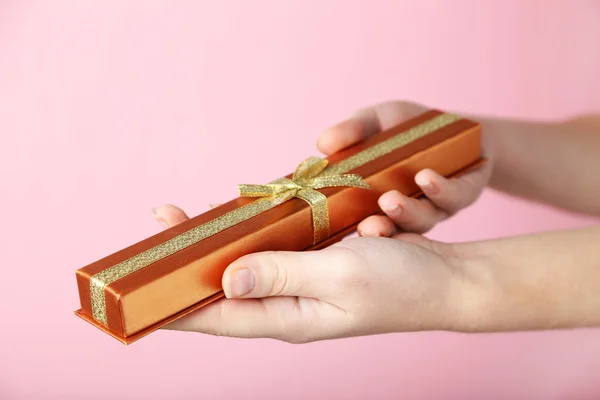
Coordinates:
308 177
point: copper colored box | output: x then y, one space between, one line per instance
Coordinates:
145 286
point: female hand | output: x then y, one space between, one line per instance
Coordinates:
442 197
360 286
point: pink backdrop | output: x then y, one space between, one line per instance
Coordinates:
110 108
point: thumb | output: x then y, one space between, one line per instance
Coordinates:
280 273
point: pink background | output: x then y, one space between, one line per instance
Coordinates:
110 108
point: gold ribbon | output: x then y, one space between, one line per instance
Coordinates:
305 180
271 195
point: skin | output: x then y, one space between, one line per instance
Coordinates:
393 279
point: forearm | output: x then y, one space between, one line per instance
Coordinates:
557 164
541 281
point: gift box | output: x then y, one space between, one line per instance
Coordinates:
143 287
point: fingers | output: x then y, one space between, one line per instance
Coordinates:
377 225
444 197
364 123
342 135
278 273
169 215
451 195
410 214
282 318
387 114
231 317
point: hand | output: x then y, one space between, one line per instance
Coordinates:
357 287
443 197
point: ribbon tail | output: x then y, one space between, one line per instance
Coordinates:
339 180
320 212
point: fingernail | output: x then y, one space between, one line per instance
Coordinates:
239 284
370 234
425 184
390 204
394 209
159 219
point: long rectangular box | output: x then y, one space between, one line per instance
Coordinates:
143 287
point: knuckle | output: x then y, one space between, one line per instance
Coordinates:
294 335
298 340
350 267
279 275
355 282
453 198
216 326
293 327
425 226
473 190
421 224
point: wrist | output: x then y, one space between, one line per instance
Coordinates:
529 282
475 290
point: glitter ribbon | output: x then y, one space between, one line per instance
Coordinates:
312 174
306 179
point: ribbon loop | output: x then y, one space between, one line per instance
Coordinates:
308 177
309 168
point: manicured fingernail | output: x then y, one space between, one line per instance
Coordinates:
240 283
425 184
390 205
370 234
394 209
